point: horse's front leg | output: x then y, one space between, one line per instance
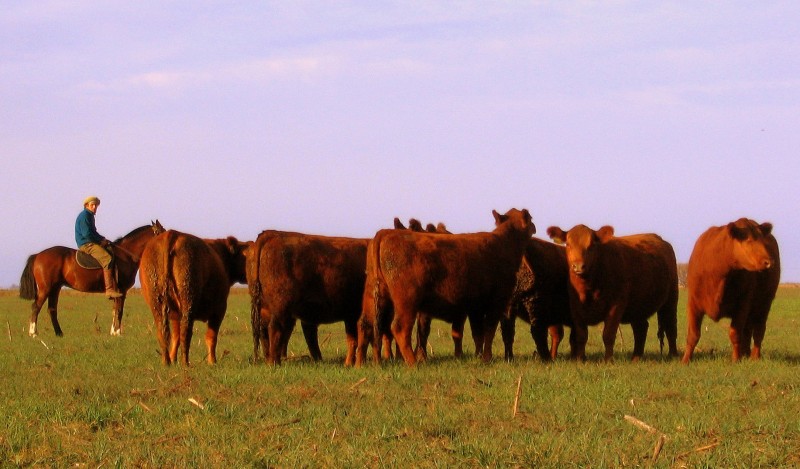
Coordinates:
116 320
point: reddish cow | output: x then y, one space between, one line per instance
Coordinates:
186 279
424 320
734 271
541 298
448 277
620 280
316 279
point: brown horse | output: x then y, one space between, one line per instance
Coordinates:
46 272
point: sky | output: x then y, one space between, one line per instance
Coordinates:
332 118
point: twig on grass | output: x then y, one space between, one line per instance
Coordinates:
697 450
641 424
45 345
516 397
195 402
662 438
8 327
358 383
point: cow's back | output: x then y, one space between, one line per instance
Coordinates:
319 279
644 269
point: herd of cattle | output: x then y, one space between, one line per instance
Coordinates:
380 288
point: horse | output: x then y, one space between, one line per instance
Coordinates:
49 270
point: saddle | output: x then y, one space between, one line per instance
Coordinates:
86 261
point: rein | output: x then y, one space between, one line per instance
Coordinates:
133 256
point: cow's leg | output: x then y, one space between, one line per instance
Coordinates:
639 338
364 339
508 330
457 333
539 336
311 334
211 339
402 326
556 332
758 324
174 337
610 329
477 328
351 331
581 332
52 308
262 335
116 319
490 324
423 332
694 319
187 329
277 335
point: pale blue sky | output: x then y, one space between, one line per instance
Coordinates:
228 118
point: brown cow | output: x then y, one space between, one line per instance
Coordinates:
186 279
620 280
316 279
541 298
734 271
424 320
448 277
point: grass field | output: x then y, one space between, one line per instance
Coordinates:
92 400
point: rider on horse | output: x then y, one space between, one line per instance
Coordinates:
94 244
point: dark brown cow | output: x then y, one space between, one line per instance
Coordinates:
314 279
734 271
186 279
448 277
541 298
620 280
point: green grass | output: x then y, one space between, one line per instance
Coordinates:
90 400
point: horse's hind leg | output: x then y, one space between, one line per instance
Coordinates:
36 306
116 320
52 308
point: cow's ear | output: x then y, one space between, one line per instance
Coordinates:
232 244
498 218
605 233
766 229
736 232
398 225
557 235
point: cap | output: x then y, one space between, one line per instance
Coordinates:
90 199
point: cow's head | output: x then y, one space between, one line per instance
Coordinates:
582 245
749 249
518 220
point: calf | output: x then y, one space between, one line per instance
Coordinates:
734 271
314 279
448 277
617 280
186 279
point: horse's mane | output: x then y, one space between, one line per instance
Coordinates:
134 232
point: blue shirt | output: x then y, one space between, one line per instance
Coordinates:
85 231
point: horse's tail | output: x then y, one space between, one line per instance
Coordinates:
166 288
254 285
27 283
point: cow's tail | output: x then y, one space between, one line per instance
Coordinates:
380 300
167 286
27 282
254 285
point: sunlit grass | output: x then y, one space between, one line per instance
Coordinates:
92 399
